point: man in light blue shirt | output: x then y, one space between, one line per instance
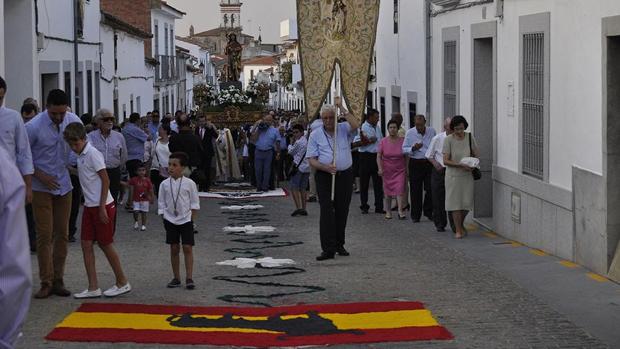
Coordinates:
14 138
15 269
154 125
320 153
135 139
371 136
417 141
266 139
112 145
51 186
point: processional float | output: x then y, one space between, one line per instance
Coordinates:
336 32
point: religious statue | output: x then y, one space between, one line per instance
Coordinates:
233 51
225 20
334 16
339 16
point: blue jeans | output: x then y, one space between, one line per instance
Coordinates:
262 166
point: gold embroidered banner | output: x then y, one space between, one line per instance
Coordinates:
336 31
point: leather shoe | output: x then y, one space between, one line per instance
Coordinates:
342 252
44 292
59 289
323 256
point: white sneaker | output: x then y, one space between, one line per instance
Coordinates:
117 291
88 294
143 228
136 226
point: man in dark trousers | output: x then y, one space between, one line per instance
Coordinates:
208 134
334 213
417 141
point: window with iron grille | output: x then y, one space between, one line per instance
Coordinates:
449 78
533 104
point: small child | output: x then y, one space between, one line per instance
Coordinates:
178 204
99 213
142 189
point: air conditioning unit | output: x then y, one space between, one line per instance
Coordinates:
446 3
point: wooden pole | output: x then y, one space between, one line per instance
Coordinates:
335 153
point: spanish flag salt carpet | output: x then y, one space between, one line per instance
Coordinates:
251 327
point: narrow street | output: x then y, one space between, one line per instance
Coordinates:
487 292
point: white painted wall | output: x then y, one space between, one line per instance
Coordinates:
163 20
56 20
134 78
256 68
18 51
401 57
575 79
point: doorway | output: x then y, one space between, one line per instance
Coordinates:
484 121
613 142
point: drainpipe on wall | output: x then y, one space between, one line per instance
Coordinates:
76 14
427 33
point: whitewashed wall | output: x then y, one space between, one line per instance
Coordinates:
56 20
575 79
401 57
256 68
134 77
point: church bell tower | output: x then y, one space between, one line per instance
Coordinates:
230 13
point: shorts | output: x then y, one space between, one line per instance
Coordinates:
141 206
299 181
176 234
94 230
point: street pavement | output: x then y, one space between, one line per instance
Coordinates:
489 293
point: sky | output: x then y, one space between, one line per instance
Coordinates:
205 15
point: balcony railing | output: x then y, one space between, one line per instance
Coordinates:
168 69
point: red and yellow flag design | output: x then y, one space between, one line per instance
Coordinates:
256 327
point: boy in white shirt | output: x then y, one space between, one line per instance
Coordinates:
178 204
99 213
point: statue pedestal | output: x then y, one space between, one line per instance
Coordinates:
226 84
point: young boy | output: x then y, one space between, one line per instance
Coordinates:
178 204
99 212
142 189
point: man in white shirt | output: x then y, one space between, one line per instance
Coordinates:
434 154
368 168
415 146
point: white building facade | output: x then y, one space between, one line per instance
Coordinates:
398 73
168 73
18 51
538 81
127 78
56 57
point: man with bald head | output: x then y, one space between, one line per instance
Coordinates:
434 154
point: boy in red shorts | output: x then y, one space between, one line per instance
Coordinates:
99 212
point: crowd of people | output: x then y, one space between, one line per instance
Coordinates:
68 163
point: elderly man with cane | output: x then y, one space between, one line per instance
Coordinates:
329 152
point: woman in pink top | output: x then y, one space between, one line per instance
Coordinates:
392 166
